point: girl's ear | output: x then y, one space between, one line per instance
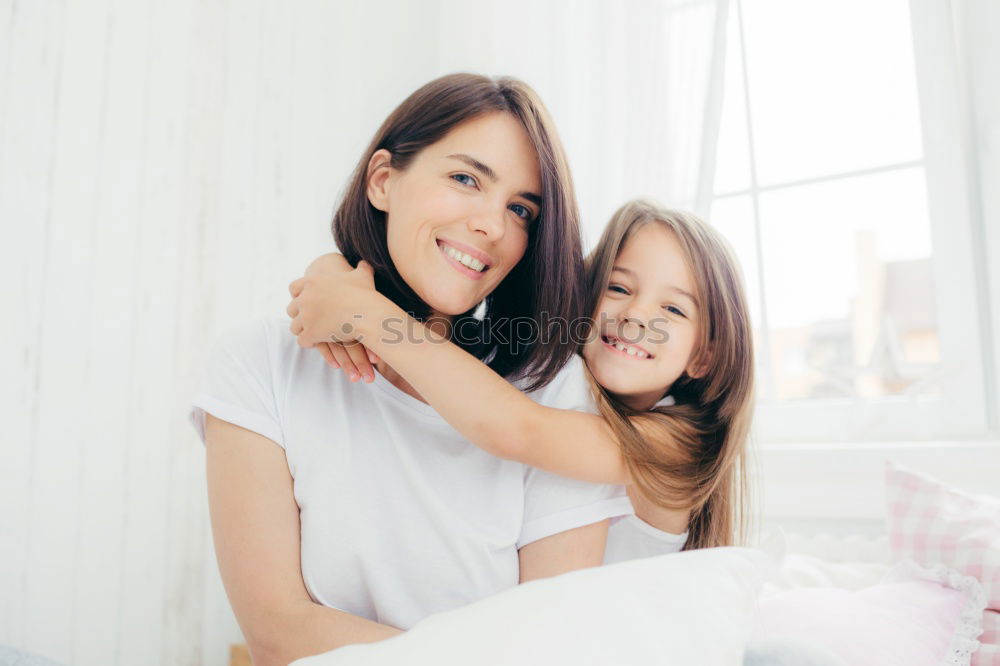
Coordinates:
379 170
700 364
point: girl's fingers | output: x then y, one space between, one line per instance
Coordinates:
344 360
327 355
333 359
359 355
295 287
292 310
372 356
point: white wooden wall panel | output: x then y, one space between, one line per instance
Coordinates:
26 165
103 229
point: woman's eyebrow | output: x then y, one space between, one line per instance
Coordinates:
631 273
476 164
492 175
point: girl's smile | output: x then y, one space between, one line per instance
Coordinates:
619 346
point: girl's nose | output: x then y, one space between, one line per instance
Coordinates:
636 314
631 326
639 319
633 319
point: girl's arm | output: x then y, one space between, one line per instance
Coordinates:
484 407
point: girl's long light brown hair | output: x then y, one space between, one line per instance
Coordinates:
697 461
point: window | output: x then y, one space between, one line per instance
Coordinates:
841 184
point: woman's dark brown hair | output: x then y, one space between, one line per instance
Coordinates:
693 456
548 278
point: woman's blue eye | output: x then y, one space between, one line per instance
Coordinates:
617 289
521 211
458 177
671 308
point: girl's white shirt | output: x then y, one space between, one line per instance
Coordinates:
630 537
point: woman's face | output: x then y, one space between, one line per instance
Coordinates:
458 215
647 320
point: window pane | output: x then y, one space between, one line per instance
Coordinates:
733 217
847 274
832 86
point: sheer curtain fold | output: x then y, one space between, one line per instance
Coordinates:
635 88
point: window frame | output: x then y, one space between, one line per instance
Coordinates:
964 409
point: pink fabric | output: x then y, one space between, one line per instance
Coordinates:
988 653
911 623
932 524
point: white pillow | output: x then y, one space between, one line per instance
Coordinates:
692 607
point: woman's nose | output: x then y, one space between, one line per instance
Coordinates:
489 222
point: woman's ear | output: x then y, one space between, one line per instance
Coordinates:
379 170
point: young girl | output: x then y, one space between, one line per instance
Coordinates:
668 358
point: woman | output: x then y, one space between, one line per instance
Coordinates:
345 513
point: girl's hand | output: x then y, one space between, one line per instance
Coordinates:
324 304
355 359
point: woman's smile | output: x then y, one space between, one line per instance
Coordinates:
467 260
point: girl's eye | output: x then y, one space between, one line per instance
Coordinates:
617 289
521 211
469 180
674 310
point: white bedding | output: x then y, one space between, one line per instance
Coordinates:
849 562
693 607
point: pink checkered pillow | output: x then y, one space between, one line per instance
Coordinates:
932 524
988 653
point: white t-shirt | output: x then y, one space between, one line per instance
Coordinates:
630 537
401 517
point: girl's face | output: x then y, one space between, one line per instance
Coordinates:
647 320
458 215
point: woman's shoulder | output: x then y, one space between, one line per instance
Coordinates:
267 330
260 325
242 375
569 389
263 341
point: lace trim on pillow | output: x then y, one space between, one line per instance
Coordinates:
970 623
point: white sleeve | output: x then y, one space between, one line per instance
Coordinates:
238 382
554 504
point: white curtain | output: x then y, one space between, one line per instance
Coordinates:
166 168
635 88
